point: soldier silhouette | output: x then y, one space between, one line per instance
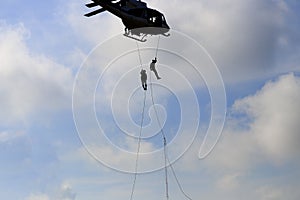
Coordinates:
152 68
144 79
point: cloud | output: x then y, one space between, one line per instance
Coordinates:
228 182
249 38
263 128
274 115
6 136
65 192
30 84
283 189
107 155
94 29
261 131
37 197
270 193
242 36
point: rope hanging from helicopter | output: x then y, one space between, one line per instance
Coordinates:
157 46
140 131
164 140
166 159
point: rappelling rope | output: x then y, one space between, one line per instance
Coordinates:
177 181
139 52
138 149
157 46
161 129
164 140
140 134
167 161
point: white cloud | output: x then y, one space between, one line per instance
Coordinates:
9 135
275 112
242 36
228 182
266 129
246 144
106 154
234 151
30 84
282 189
65 192
93 29
37 197
270 193
237 33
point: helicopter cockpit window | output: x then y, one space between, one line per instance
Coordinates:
153 19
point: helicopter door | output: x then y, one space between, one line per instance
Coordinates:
159 20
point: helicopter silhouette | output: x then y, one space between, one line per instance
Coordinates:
138 19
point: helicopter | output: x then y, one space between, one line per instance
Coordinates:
138 19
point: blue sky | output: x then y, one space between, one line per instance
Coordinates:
255 46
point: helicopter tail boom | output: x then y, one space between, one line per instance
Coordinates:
107 5
91 5
95 12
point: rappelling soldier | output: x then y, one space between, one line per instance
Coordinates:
152 68
144 79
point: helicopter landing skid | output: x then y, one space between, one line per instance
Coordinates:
142 39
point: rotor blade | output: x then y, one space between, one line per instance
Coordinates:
91 5
94 12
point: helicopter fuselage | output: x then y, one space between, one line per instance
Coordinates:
133 17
